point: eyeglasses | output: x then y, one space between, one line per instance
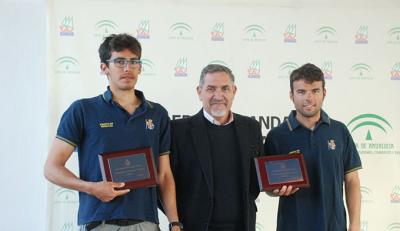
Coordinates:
122 62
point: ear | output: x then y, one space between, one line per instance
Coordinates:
291 95
324 93
234 89
104 68
140 69
198 89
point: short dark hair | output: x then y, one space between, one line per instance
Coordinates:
309 73
212 68
119 42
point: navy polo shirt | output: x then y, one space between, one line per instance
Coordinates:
329 153
99 125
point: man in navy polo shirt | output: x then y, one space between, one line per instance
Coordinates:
331 160
119 119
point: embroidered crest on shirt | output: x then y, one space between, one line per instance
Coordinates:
149 124
331 144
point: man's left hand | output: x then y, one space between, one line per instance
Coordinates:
285 191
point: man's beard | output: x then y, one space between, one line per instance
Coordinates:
218 113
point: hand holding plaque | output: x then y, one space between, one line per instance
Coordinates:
276 171
134 167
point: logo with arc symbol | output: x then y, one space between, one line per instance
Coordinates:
219 62
66 195
147 66
287 68
361 69
254 30
67 64
326 32
106 26
369 121
181 28
366 193
394 33
394 227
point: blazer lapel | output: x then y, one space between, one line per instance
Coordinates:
242 134
202 148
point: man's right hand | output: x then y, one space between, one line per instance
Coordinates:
56 172
107 191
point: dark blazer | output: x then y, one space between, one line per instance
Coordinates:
192 168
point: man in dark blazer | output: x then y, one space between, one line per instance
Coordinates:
212 159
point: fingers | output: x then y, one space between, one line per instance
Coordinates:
295 190
285 191
107 191
288 191
117 184
119 192
276 192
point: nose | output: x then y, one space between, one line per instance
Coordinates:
309 97
128 67
218 94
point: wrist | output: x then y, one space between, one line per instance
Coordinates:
173 224
88 187
354 226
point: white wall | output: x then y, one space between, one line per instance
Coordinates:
23 130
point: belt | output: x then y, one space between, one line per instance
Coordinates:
120 222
